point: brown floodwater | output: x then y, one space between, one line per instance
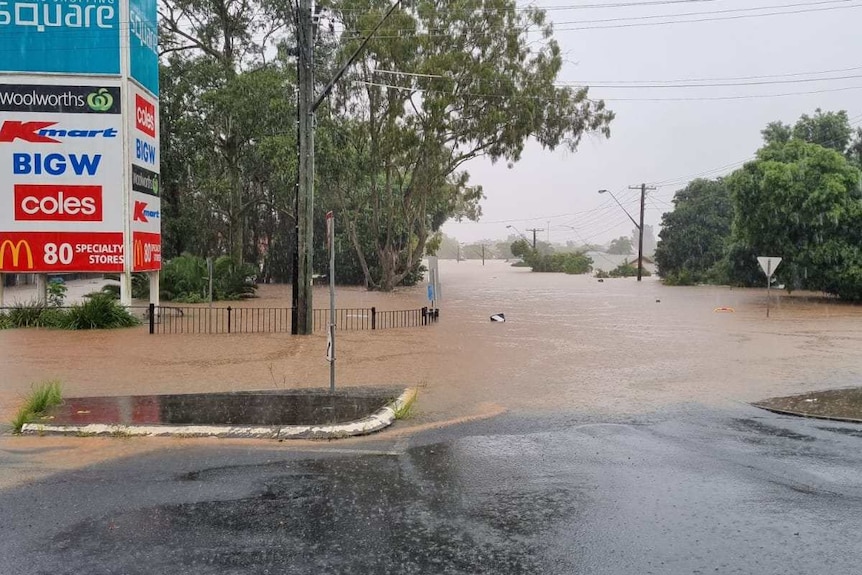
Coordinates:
569 342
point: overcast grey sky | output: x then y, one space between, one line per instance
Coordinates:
668 142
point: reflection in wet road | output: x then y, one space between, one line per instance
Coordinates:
704 491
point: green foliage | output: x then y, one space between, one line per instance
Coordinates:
521 248
43 397
186 279
830 129
233 281
140 286
627 270
101 311
183 276
621 246
56 292
98 312
27 314
695 234
570 263
801 201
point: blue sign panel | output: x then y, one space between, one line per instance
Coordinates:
58 36
144 43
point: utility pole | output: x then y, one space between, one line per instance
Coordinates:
643 188
307 104
534 230
302 323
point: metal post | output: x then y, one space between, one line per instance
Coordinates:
768 283
330 232
373 318
228 318
152 312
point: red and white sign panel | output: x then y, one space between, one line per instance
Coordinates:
146 252
58 203
145 204
145 116
58 252
61 183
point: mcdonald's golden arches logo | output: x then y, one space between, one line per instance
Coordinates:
139 253
15 251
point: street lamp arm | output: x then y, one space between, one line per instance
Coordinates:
621 206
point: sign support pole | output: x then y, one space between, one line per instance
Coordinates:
768 285
330 232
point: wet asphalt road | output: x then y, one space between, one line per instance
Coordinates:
693 490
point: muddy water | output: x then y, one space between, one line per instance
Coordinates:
570 342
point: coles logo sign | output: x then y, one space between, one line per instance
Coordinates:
58 203
145 116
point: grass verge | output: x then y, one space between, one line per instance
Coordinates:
43 397
407 409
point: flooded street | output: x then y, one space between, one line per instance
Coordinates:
570 342
625 447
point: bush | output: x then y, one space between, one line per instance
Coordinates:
232 281
25 314
683 277
570 263
186 279
42 398
5 322
56 292
627 270
99 312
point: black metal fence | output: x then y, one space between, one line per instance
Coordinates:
171 319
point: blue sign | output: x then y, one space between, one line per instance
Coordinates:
58 36
431 292
144 44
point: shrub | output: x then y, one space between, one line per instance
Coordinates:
56 292
570 263
683 277
186 279
41 399
5 322
232 281
25 314
627 270
99 312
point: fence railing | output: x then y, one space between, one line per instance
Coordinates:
171 319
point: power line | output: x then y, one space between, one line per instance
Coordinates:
714 79
741 97
718 84
639 21
567 7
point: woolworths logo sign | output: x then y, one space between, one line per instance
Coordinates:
59 99
100 101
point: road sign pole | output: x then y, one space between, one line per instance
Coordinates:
768 282
330 233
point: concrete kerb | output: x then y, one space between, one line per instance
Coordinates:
381 419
